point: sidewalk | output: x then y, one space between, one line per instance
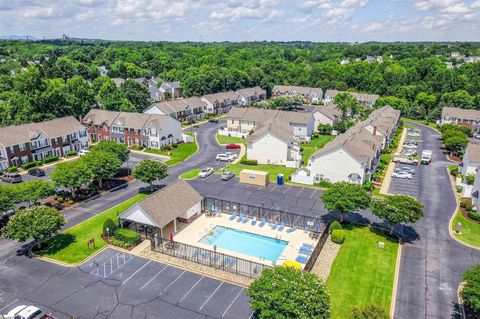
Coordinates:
391 167
163 157
60 160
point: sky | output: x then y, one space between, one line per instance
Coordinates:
245 20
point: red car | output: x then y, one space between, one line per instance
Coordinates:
233 147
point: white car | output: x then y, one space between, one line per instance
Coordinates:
402 175
224 158
406 160
25 312
205 172
233 156
83 152
413 134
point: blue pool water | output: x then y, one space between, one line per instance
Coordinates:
245 243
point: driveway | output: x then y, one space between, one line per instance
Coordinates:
432 263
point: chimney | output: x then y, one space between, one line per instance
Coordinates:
80 119
374 130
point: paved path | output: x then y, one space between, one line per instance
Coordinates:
432 263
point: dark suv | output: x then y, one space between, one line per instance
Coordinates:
12 178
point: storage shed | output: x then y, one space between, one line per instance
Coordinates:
259 178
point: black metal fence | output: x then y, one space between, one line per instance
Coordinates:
312 224
316 251
208 257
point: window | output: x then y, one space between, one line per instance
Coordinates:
24 159
22 147
12 149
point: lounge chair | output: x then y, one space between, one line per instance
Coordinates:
305 230
281 227
262 223
240 217
291 229
308 246
245 219
304 251
275 226
234 215
301 259
254 220
270 223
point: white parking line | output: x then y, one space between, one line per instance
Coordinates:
251 315
172 283
136 272
274 187
314 192
301 189
9 304
211 296
146 284
232 302
191 289
288 187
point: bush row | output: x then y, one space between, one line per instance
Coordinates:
248 162
474 215
127 236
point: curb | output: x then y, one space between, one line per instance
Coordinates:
64 264
191 155
460 300
395 279
166 158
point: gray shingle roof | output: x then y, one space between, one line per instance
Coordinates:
278 129
221 97
248 92
461 113
125 119
261 116
362 97
302 90
473 152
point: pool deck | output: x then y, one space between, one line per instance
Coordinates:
202 225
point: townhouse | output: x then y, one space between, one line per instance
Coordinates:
219 103
152 85
148 130
364 99
244 121
36 141
458 116
171 90
248 96
274 143
471 159
180 109
309 94
327 114
353 156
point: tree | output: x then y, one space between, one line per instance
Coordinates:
149 171
347 104
136 93
456 144
102 164
71 175
397 209
38 223
7 198
33 190
116 149
325 129
285 292
471 290
369 312
345 197
470 179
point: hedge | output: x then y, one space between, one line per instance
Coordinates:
466 203
70 153
334 226
27 166
248 162
127 236
338 236
50 159
136 147
474 215
368 186
12 169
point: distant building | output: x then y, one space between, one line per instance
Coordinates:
219 103
171 90
364 99
309 94
103 70
181 109
471 159
464 117
248 96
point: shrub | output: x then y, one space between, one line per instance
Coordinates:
474 215
136 147
466 202
470 179
71 201
129 237
334 226
185 123
111 225
338 236
384 159
369 312
324 184
471 290
12 169
29 165
368 186
50 159
70 153
248 162
381 166
115 242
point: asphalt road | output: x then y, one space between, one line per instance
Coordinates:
432 263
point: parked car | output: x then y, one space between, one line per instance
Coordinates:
26 312
413 134
224 158
213 120
410 146
409 170
406 160
227 176
83 152
207 171
12 178
36 172
233 147
402 175
233 156
410 142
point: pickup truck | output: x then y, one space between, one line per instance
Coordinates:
426 157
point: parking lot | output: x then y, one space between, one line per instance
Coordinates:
116 284
409 186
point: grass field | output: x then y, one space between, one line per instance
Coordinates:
362 274
179 154
315 144
470 230
432 125
191 174
230 140
274 170
70 246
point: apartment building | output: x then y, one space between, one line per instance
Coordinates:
309 94
148 130
219 103
180 109
458 116
248 96
364 99
26 143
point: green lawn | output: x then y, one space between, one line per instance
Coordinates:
362 274
179 154
230 140
191 174
432 125
315 144
274 170
70 246
470 230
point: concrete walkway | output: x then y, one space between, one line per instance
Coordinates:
391 166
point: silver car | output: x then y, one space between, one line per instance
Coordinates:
205 172
227 176
402 175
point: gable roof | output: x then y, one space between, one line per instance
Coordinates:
472 152
330 110
126 119
248 92
281 130
167 203
170 85
18 134
302 90
261 116
461 113
362 97
179 105
220 97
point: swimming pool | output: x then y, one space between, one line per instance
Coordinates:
245 243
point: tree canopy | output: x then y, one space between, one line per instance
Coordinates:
345 197
71 175
471 290
102 164
149 171
397 209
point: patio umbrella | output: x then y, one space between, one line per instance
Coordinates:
293 264
171 237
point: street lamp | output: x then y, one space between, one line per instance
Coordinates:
108 233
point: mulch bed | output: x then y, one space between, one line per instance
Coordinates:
465 214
